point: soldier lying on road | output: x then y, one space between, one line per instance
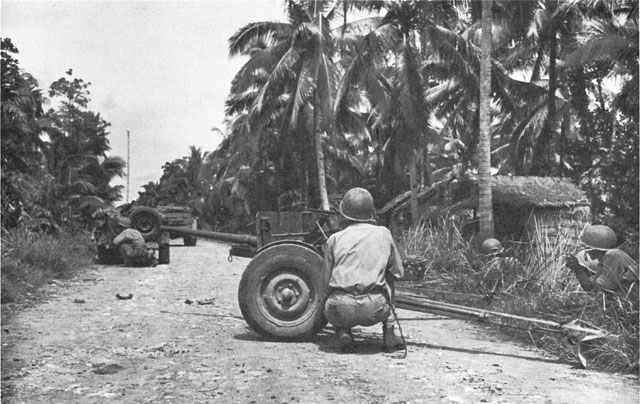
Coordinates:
134 250
129 242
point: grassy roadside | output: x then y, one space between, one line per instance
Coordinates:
532 282
31 259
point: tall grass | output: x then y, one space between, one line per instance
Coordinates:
533 282
31 259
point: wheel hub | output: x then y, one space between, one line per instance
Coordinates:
286 296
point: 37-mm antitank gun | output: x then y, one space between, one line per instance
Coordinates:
282 290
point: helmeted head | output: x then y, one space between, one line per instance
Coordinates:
491 246
107 217
357 205
599 237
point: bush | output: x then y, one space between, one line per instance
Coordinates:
534 283
31 259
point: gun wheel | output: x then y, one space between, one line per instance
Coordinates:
147 221
281 293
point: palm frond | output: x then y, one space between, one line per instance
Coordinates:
282 72
461 55
305 87
367 63
606 48
263 60
413 105
266 32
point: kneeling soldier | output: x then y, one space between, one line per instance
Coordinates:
363 262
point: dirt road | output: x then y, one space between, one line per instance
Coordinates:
155 348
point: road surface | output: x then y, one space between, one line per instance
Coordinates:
83 345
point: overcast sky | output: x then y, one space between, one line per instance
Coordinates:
160 69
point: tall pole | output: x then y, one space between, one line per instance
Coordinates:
128 162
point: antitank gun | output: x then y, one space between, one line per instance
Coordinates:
283 288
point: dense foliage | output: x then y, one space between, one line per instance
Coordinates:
55 167
398 99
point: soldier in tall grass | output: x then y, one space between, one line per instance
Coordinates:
603 266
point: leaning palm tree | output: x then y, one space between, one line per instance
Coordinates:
288 82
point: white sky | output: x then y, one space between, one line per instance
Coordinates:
160 69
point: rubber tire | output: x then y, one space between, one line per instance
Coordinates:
190 241
147 221
306 265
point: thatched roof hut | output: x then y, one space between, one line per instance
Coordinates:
555 205
519 204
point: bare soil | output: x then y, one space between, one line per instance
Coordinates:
83 345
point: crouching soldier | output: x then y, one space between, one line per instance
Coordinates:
603 266
363 262
133 249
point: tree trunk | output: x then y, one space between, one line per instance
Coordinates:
319 157
413 186
485 205
543 160
322 182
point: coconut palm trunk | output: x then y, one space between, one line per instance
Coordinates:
485 206
319 157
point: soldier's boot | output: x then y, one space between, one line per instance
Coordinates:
390 341
345 340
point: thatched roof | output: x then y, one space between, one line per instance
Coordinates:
541 192
517 192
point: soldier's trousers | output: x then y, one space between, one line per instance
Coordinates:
344 310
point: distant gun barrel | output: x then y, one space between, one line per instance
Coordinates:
213 235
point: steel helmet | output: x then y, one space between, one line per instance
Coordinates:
599 237
357 205
491 246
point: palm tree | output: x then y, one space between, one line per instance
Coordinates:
485 205
295 95
386 63
612 44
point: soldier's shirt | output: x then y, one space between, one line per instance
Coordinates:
131 236
359 256
613 267
616 267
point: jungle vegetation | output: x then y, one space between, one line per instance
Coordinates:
380 94
393 96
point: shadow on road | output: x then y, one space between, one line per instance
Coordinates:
481 352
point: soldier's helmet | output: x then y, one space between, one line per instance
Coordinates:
599 237
108 217
491 246
357 205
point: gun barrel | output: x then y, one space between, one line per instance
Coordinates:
214 235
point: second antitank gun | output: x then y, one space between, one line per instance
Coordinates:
282 290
